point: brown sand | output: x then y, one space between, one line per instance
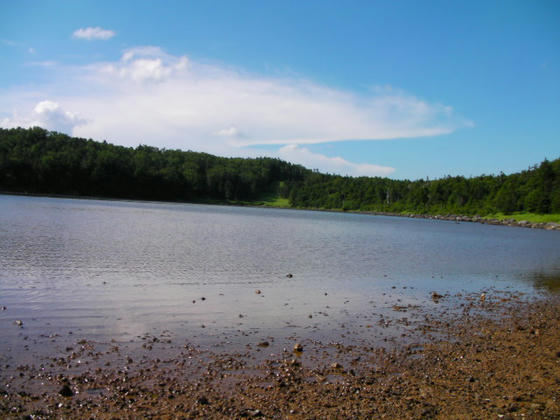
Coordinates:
506 365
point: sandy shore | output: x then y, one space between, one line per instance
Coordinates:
500 358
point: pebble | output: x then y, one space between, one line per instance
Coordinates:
298 347
66 391
436 296
203 400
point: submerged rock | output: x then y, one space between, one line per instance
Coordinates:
436 297
66 391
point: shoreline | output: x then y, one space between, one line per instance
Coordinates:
551 226
500 358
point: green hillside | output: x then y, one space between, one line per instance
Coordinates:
38 161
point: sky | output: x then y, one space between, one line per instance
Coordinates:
402 89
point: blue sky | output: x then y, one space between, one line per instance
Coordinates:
405 89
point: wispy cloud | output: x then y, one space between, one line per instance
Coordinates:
46 63
150 96
10 43
92 33
336 165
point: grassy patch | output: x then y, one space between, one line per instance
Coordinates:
265 201
277 202
530 217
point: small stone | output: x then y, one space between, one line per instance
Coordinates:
483 297
258 292
202 298
203 400
19 322
66 391
263 344
436 296
336 365
298 347
4 308
289 275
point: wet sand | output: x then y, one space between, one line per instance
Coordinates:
496 357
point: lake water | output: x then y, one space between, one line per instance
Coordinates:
121 269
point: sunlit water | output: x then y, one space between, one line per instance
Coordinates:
117 269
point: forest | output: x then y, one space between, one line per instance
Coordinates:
37 161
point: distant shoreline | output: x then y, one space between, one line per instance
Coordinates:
449 217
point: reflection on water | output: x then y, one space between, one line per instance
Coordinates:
547 281
116 269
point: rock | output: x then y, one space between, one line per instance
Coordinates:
203 400
258 292
336 365
4 308
289 275
482 297
249 412
263 344
18 322
436 296
66 391
298 347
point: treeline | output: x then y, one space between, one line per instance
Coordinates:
536 190
38 161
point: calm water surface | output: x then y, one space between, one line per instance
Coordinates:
117 269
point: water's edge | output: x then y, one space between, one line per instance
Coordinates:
457 218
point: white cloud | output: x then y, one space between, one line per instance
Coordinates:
336 165
91 33
49 115
149 96
228 132
145 64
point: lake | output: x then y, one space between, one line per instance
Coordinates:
217 276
